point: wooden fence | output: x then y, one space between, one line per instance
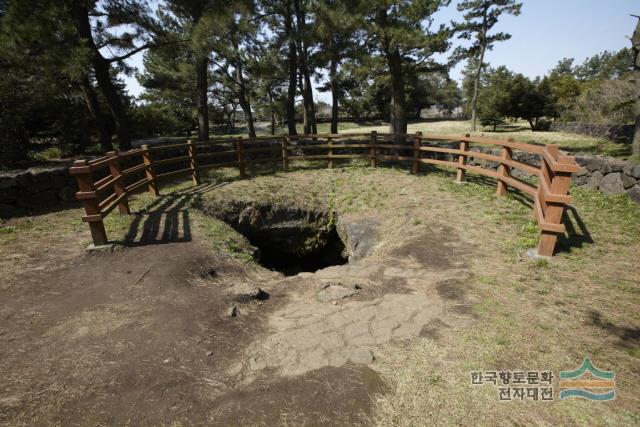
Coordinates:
106 182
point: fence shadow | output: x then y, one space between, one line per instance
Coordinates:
164 221
577 234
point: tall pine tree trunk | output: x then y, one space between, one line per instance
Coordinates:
202 85
293 67
333 70
306 128
476 91
91 100
476 83
273 112
398 119
635 40
305 88
102 69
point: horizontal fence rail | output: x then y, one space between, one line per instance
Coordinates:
105 183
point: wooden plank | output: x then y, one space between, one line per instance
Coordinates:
109 199
395 146
150 173
101 182
542 223
372 149
518 184
108 183
335 156
548 197
558 182
176 172
171 160
263 149
130 153
417 141
86 188
154 148
193 162
314 146
531 170
219 165
118 185
397 158
216 153
503 171
134 169
136 185
99 163
462 161
115 202
432 149
241 166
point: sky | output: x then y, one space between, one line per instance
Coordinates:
545 32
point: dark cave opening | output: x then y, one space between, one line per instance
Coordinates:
329 252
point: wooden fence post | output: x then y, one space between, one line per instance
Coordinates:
87 196
504 171
150 173
372 150
417 143
462 160
558 183
118 184
193 162
330 154
241 164
285 154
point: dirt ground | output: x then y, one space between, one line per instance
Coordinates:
143 335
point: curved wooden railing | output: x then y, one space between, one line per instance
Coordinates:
106 182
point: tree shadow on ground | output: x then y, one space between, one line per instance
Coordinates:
628 337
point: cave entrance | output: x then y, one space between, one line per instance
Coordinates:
329 252
289 239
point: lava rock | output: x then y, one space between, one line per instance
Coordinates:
232 311
634 193
612 184
359 236
594 181
627 181
245 292
334 292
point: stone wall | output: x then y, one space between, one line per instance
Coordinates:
609 176
616 132
35 190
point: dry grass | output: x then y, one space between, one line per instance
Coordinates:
526 315
520 131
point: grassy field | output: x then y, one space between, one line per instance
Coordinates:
574 143
523 314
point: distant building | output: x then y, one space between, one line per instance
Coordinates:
438 112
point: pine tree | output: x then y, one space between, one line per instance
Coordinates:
338 32
635 42
480 17
400 31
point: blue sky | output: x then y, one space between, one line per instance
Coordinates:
545 32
